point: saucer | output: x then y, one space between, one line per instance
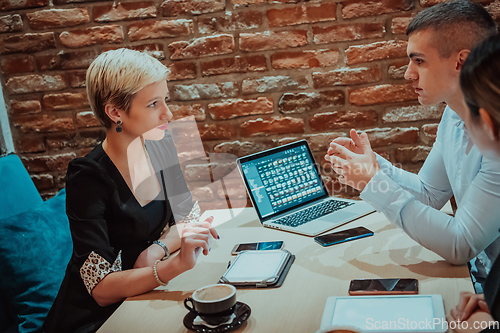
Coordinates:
241 311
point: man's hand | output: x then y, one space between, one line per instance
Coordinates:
353 160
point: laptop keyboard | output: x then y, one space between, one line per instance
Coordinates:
314 212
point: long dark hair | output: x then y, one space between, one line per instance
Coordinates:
480 80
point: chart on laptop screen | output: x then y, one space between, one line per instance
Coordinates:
282 180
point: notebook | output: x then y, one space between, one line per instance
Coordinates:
288 193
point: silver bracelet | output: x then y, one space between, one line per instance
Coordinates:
167 252
155 273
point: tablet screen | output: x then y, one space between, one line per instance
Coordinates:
256 266
385 313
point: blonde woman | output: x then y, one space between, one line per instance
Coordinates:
125 197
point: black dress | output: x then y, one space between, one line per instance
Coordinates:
110 229
492 293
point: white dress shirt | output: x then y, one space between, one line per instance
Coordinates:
454 167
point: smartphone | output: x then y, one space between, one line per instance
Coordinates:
343 236
383 287
260 246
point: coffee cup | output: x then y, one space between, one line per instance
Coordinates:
214 303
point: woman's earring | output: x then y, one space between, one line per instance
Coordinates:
118 126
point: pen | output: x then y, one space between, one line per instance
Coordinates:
228 264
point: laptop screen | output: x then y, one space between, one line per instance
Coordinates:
282 178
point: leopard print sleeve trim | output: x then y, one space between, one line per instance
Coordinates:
95 268
194 214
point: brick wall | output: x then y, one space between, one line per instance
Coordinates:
254 74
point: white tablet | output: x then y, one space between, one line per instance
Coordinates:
394 314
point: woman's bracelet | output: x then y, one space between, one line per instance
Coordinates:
155 273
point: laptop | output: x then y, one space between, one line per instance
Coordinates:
288 193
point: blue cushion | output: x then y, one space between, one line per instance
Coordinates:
17 191
35 248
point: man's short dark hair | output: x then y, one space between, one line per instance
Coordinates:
459 25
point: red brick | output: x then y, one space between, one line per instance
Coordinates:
87 119
30 144
202 47
181 71
66 60
59 141
193 7
360 8
11 23
57 18
273 125
77 79
346 32
412 154
385 93
34 83
153 49
376 51
27 43
65 101
204 193
230 21
429 133
187 110
399 25
381 137
234 189
216 131
305 59
397 69
271 40
124 11
346 76
20 63
151 29
341 119
494 10
234 108
45 163
239 3
244 148
205 91
19 107
309 13
43 182
317 142
17 4
413 113
91 36
44 124
238 64
90 138
310 101
273 83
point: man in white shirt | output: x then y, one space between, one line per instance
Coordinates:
440 38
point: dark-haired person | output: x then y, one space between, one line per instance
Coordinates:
440 39
480 82
126 199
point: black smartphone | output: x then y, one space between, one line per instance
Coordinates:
259 246
383 287
343 236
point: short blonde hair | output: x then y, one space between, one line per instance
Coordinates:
115 76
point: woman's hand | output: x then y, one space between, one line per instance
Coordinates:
468 303
195 237
476 322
